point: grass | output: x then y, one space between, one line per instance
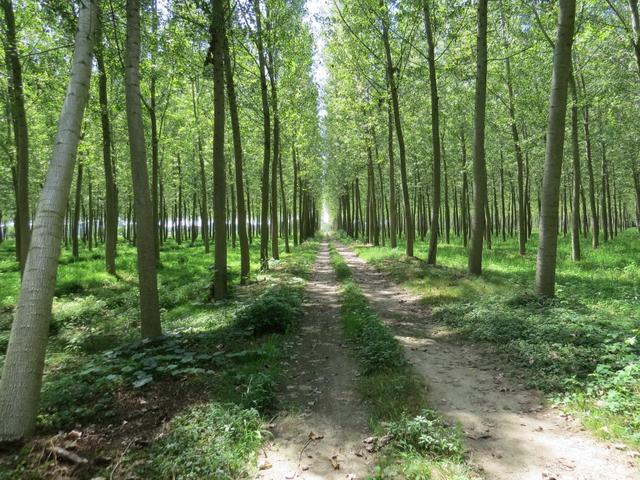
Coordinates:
421 444
580 348
210 375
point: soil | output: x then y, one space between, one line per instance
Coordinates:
508 430
323 437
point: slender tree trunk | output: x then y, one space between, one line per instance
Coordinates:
479 163
447 209
271 68
522 236
145 231
111 212
20 132
266 120
76 214
155 168
575 144
204 208
435 136
295 195
546 262
603 196
217 30
465 192
24 362
408 217
285 214
393 213
245 265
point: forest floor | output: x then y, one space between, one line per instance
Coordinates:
193 403
509 431
322 438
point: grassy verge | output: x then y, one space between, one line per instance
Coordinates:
187 405
580 348
416 443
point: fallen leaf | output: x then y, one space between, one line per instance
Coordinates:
334 462
313 436
264 465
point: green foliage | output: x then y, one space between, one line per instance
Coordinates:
376 347
275 311
209 441
426 434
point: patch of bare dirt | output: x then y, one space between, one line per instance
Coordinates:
323 437
509 432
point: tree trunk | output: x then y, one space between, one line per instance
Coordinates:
575 144
76 214
142 205
546 262
435 137
111 213
204 208
245 265
275 250
408 217
216 52
266 121
295 195
522 235
20 132
479 164
393 212
24 362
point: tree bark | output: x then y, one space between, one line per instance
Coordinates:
547 250
111 212
20 132
245 265
435 137
24 362
216 57
408 217
575 144
266 122
479 163
142 205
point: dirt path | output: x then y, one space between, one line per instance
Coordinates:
508 433
321 382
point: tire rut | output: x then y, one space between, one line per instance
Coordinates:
321 385
509 434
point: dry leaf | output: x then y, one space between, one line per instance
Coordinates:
334 462
264 465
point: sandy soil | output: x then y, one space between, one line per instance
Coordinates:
325 439
509 432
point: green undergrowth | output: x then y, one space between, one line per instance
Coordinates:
581 347
421 444
213 374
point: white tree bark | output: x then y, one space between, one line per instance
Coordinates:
24 363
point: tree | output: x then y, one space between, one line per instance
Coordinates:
219 176
145 243
435 136
24 362
239 175
547 250
479 164
20 132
